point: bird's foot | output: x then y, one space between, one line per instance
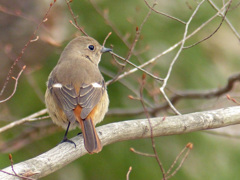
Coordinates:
79 133
65 139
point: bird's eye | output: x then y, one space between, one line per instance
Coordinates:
91 47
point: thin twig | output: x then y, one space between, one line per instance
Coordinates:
5 172
33 36
233 100
30 79
175 59
128 173
176 159
75 19
132 47
164 14
106 38
178 95
11 160
120 64
141 153
108 22
126 84
138 67
15 174
15 86
151 129
138 32
104 15
226 19
214 32
23 120
189 147
152 60
27 136
235 7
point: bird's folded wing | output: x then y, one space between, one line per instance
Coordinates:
67 99
90 95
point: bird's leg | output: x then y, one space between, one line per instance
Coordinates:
65 139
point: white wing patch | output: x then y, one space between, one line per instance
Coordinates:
96 85
57 85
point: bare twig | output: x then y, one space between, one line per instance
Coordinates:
5 172
21 121
126 84
120 64
211 93
131 48
214 32
226 19
138 32
33 133
106 38
141 153
233 100
152 60
164 14
75 18
235 6
178 95
200 94
128 173
14 173
175 59
108 22
30 79
34 40
151 129
15 86
188 147
33 36
104 15
11 160
138 67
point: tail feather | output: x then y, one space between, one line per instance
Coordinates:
92 142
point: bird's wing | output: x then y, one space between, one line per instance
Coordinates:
89 96
65 96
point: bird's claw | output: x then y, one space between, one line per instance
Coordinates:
65 139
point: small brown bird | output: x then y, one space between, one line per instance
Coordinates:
76 92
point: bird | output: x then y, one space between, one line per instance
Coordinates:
76 92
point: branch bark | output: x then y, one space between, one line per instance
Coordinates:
65 153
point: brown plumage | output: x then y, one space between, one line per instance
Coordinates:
76 92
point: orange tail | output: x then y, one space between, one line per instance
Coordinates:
92 142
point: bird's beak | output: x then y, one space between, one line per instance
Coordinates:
105 50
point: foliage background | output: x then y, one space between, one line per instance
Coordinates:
203 67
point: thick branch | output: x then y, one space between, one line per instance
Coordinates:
65 153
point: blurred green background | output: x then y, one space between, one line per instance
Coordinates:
202 67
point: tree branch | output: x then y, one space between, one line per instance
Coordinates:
181 94
152 60
23 120
65 153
